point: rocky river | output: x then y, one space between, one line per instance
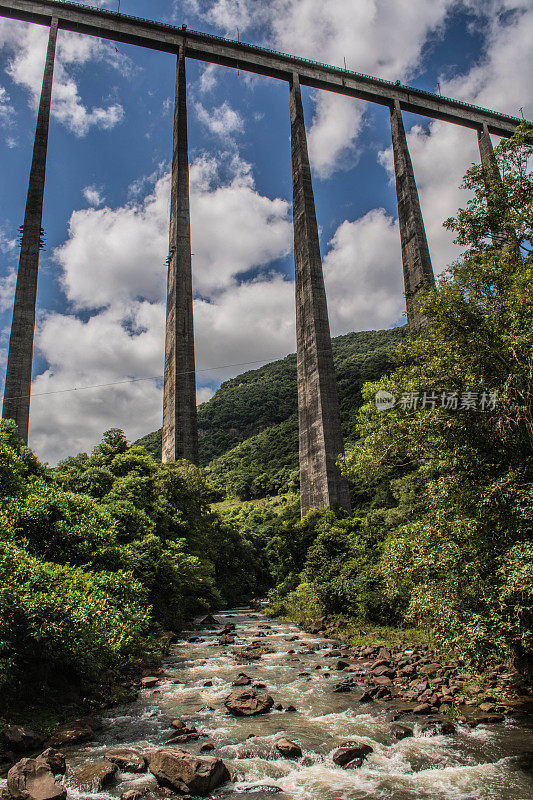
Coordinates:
342 745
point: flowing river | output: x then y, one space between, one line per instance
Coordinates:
483 763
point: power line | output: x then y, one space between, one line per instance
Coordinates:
136 380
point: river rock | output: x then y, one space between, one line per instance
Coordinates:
133 794
55 760
262 788
32 779
242 680
209 622
248 703
341 664
349 751
81 730
20 740
400 731
423 708
288 749
149 681
126 760
183 772
429 669
93 777
440 726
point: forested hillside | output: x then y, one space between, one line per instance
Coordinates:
249 429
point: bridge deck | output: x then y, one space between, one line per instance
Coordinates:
260 60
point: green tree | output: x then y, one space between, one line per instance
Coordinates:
452 564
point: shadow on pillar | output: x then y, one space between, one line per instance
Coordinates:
17 390
320 434
417 269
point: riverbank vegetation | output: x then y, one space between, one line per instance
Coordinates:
99 557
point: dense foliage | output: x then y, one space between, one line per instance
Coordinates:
102 553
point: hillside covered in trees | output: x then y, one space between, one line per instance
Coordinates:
249 428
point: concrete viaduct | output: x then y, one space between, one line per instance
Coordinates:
320 435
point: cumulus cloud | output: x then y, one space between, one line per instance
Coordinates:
223 121
7 290
27 45
111 346
363 274
112 266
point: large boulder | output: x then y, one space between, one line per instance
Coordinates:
81 730
248 703
20 740
186 773
350 751
55 760
32 779
126 760
288 749
93 777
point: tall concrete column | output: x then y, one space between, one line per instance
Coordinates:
320 434
19 361
417 270
493 181
180 426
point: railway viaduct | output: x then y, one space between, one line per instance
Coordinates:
320 435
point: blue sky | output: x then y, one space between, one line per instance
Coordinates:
102 275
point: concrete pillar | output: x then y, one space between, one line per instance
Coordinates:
417 270
320 434
180 426
19 362
493 180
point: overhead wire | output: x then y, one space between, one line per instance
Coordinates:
136 380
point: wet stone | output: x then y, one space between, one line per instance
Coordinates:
126 760
248 703
288 749
349 751
95 776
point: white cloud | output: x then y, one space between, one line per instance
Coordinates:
112 264
7 290
234 228
94 196
111 346
204 394
7 112
115 255
27 43
363 274
222 121
208 78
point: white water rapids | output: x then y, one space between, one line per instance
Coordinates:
484 763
